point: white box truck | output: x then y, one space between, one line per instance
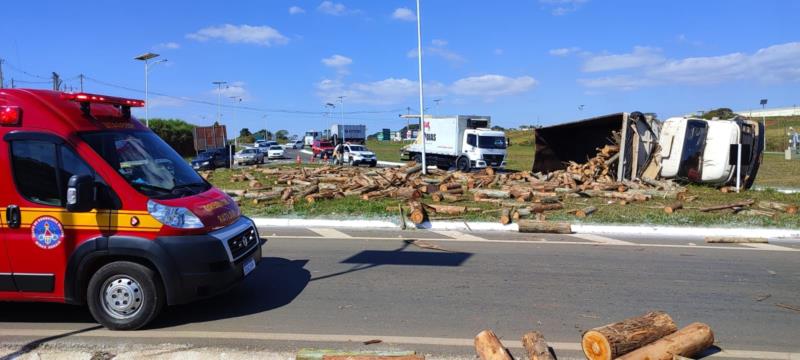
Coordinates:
463 141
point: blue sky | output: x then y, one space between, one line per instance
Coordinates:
522 62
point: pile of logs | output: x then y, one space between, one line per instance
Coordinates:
652 336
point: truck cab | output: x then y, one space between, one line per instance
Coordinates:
97 210
483 148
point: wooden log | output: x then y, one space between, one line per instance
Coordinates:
417 213
505 216
320 196
440 196
614 340
536 346
287 194
687 342
491 194
447 209
772 205
534 226
449 186
520 213
489 347
540 208
672 208
737 204
735 240
582 213
407 194
373 357
232 192
308 191
412 169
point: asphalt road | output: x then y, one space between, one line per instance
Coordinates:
334 288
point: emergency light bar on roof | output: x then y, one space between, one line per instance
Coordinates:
86 100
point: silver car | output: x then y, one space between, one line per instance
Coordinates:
249 156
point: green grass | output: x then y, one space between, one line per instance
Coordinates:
386 150
777 127
775 171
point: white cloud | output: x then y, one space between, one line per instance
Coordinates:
564 51
337 61
234 88
773 64
399 90
241 34
641 56
404 14
332 8
562 7
491 86
294 10
167 46
438 49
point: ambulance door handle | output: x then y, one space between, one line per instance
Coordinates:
13 216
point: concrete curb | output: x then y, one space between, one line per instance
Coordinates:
638 230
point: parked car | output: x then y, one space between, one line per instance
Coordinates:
320 148
211 159
294 145
354 155
275 152
249 156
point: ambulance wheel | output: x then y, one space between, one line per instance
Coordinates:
462 164
125 295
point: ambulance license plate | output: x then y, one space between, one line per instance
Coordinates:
249 266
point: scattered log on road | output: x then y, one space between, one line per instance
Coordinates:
685 342
489 347
672 208
534 226
614 340
536 346
737 204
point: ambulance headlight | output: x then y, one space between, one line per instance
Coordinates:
177 217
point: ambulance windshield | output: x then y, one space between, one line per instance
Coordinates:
147 163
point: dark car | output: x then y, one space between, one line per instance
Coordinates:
211 159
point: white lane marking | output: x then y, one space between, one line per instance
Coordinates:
539 242
339 338
769 247
457 235
602 239
329 233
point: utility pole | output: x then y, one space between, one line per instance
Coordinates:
1 73
219 98
421 94
764 120
341 108
81 77
56 81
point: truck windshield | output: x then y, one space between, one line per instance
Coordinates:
150 165
491 142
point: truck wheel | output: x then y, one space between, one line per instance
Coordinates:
418 159
373 164
462 164
124 295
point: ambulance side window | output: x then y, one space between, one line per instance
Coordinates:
34 163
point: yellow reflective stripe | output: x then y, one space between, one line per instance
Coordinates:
113 220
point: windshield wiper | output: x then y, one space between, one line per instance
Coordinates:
151 187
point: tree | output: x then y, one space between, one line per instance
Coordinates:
498 128
282 135
175 132
721 113
244 132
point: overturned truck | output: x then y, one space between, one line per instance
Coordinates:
692 150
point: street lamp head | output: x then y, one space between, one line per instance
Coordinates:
763 101
146 56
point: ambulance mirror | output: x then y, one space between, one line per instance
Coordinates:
80 193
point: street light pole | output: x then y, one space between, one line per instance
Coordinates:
421 94
764 120
341 109
219 98
145 57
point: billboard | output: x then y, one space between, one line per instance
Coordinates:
210 137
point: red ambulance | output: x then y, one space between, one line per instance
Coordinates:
96 209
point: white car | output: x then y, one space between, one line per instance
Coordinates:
354 155
294 145
275 152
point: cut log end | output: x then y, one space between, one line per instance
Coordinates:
596 346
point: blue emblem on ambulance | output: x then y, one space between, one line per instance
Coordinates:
47 232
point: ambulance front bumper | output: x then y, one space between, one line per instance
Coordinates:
211 264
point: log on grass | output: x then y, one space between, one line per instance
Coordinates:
320 196
412 169
417 213
520 213
287 194
491 194
614 340
737 204
582 213
505 216
687 342
407 194
772 205
308 191
534 226
447 209
450 186
540 208
536 346
489 347
672 208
